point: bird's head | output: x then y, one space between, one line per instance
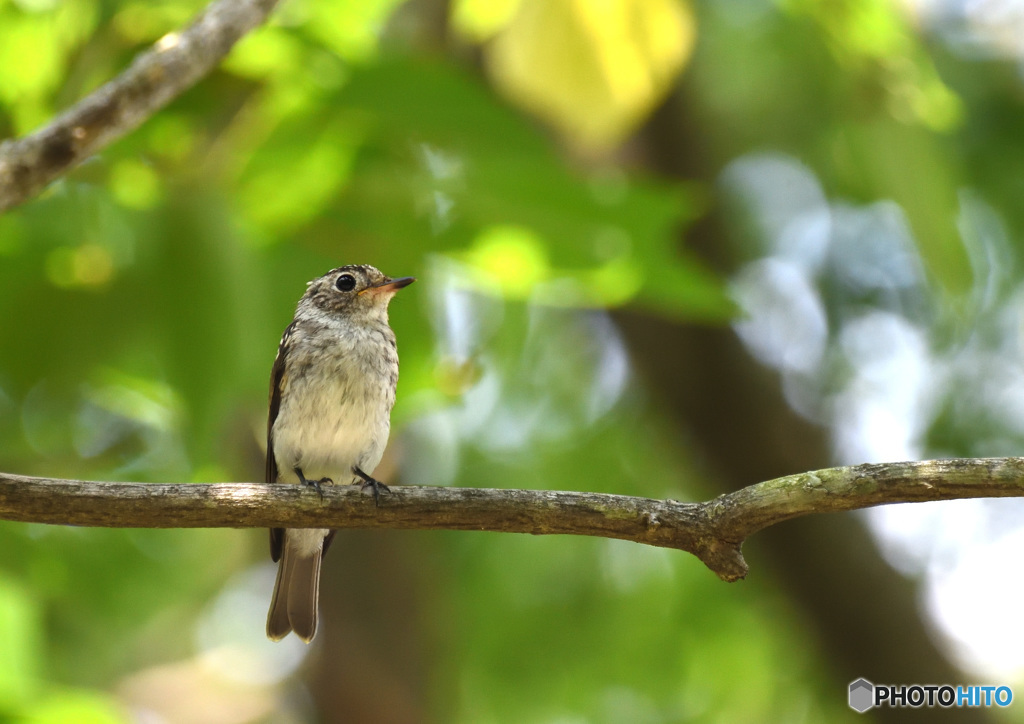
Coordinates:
355 291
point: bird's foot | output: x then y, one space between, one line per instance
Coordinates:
369 482
315 484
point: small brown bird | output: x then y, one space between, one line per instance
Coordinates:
332 388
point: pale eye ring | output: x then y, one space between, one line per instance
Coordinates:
345 283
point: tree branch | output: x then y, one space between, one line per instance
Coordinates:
175 63
713 531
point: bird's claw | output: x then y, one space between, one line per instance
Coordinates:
370 482
315 484
377 486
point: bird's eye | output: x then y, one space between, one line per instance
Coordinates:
346 283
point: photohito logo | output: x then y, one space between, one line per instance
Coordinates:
864 695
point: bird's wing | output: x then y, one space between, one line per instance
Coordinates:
277 381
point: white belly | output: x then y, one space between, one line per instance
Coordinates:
328 427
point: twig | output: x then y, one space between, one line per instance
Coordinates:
175 63
713 531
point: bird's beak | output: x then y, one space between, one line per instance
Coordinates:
390 285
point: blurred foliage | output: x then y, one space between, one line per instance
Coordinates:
145 293
618 59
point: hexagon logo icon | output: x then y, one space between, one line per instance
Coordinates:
862 695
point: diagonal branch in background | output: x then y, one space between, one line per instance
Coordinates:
713 531
173 65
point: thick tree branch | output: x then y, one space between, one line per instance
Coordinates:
175 63
713 531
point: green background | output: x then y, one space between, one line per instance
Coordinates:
570 330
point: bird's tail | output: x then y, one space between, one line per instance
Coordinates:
294 605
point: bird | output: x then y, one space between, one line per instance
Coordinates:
332 388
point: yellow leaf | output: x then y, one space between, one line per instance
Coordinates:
592 68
